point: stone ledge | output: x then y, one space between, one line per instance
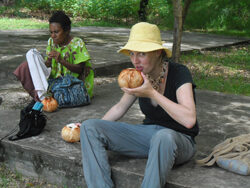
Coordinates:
48 157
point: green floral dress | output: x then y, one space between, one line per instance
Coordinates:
75 52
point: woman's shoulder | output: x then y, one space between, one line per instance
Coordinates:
178 67
178 70
77 41
180 74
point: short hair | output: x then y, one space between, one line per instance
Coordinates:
61 18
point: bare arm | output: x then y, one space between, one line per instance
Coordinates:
48 62
118 110
183 111
77 68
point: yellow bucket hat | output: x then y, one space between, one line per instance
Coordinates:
144 37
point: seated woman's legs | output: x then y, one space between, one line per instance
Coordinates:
23 74
97 171
99 135
167 148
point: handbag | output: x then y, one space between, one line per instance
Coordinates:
32 121
233 155
69 91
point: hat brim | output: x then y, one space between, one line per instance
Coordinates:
140 46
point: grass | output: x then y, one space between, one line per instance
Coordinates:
224 70
9 179
102 23
226 32
21 23
33 23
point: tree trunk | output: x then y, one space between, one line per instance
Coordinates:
142 10
179 19
185 11
176 50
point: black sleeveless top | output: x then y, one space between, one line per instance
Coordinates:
178 75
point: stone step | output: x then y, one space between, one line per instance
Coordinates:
48 157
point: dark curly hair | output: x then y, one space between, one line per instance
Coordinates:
61 18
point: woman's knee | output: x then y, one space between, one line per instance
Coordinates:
22 70
90 125
166 137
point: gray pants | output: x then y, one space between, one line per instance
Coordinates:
163 147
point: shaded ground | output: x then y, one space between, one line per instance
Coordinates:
18 98
10 179
15 97
225 115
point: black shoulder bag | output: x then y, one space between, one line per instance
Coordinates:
31 123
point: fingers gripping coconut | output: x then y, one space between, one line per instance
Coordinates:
130 78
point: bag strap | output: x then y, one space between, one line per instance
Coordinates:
232 148
10 133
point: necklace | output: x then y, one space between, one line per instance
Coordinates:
160 79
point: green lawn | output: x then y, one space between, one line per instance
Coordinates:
225 70
28 23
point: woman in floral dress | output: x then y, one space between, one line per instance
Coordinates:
65 55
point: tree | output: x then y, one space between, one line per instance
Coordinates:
180 14
142 10
179 19
185 11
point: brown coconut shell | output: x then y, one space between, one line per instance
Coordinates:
49 104
130 78
71 132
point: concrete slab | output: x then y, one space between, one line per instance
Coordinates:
48 157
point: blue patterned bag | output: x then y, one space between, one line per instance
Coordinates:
69 91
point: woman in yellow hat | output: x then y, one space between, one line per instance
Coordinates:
166 98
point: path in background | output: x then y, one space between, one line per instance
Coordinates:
102 44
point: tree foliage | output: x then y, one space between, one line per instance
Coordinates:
219 14
209 14
142 11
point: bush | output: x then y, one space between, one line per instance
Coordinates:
96 9
210 14
219 14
